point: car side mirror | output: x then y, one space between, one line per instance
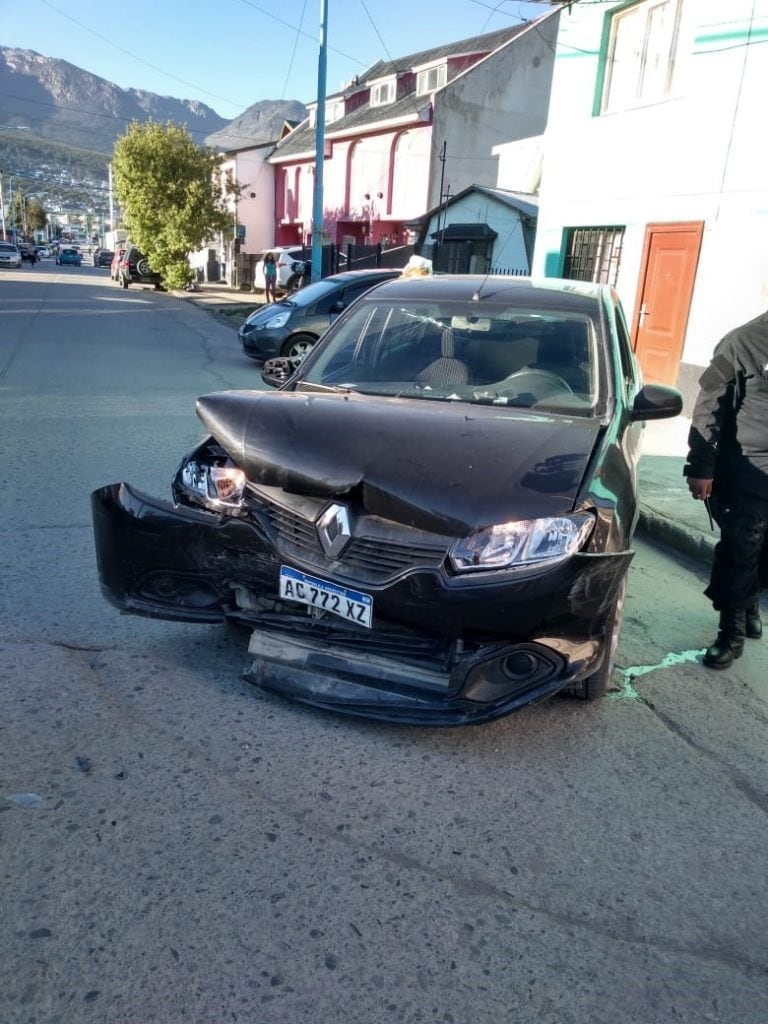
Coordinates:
656 402
277 371
336 308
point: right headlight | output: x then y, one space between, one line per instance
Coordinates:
521 542
279 320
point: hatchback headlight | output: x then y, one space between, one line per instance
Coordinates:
221 487
521 542
279 320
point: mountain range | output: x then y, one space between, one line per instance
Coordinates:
45 99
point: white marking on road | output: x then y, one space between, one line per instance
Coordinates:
627 691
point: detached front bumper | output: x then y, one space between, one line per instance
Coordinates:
442 650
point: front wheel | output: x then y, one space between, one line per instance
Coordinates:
297 348
595 686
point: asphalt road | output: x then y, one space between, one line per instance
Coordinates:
177 847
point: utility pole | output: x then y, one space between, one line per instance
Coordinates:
317 198
441 158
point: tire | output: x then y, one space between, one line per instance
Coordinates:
298 347
595 686
294 283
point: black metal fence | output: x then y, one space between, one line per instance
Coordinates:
337 258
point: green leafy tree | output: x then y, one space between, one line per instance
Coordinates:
169 191
37 218
17 212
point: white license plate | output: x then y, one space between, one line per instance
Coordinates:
351 605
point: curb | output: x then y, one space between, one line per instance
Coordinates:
681 539
216 299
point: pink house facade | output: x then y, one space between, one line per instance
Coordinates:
384 162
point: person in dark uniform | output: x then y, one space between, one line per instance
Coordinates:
727 465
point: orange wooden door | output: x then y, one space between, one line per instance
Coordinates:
667 275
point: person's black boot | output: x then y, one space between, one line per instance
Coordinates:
729 644
754 625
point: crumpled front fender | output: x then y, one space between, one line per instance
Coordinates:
168 561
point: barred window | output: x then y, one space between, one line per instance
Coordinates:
593 254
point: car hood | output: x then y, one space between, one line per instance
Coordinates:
261 316
443 467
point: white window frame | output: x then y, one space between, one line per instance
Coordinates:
334 111
430 79
641 54
383 93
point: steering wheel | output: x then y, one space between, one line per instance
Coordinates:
552 381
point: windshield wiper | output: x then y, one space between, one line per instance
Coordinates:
310 385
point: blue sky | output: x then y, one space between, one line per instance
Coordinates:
231 53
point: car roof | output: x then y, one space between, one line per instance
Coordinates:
348 276
554 293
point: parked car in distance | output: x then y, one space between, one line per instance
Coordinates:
69 256
430 521
103 258
43 252
9 255
28 252
134 268
291 326
290 267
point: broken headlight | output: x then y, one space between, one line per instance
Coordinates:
521 542
217 484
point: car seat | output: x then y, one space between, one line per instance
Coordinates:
446 369
564 351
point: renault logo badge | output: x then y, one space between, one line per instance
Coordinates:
333 530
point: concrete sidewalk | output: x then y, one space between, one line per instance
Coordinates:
668 514
211 296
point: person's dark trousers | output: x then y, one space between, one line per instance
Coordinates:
740 566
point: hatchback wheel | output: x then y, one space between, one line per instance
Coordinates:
595 686
298 347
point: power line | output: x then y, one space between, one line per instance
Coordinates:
141 60
293 51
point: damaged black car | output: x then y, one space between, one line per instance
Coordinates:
429 521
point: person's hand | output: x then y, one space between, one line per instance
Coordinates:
700 489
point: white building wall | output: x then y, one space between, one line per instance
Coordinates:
410 185
256 206
505 96
369 172
697 156
519 164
